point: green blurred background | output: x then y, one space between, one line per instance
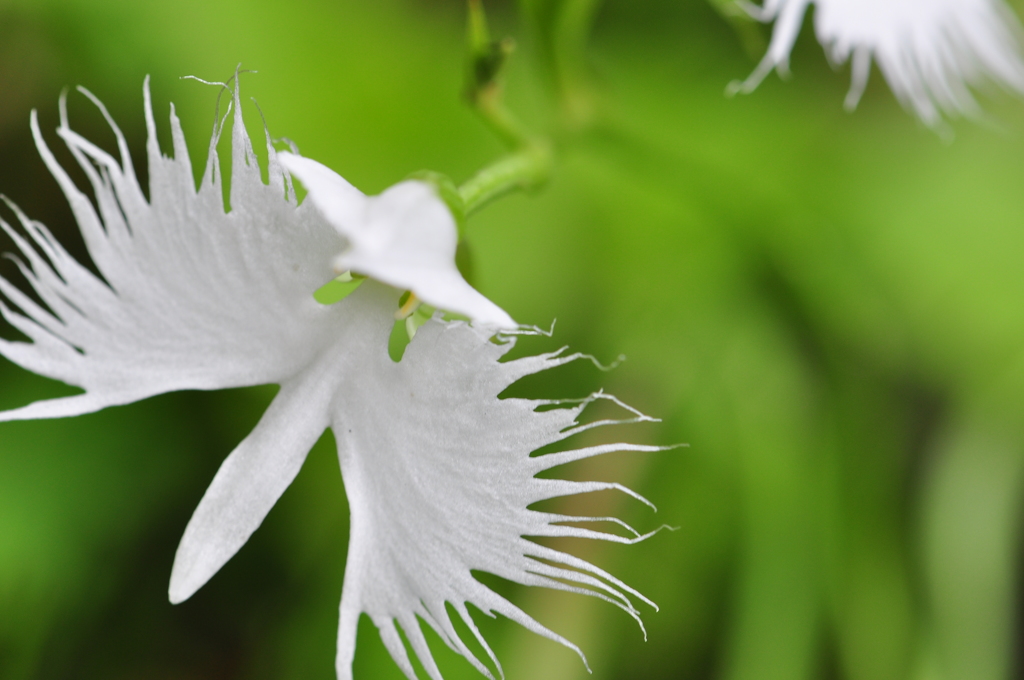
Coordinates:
828 308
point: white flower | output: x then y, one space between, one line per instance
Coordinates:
406 237
930 51
437 468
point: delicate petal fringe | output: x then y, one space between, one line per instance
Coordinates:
439 484
930 51
189 296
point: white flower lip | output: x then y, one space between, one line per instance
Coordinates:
405 237
438 469
930 51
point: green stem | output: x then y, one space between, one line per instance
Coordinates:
571 33
528 168
528 163
488 105
569 53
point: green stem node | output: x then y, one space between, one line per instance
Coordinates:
487 102
528 168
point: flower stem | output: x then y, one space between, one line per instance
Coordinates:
571 32
488 104
527 168
528 163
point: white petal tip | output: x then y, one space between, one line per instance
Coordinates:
495 321
178 594
184 583
189 575
502 325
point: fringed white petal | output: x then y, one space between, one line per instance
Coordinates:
405 237
439 479
930 51
191 296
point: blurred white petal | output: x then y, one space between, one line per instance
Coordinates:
930 51
405 237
